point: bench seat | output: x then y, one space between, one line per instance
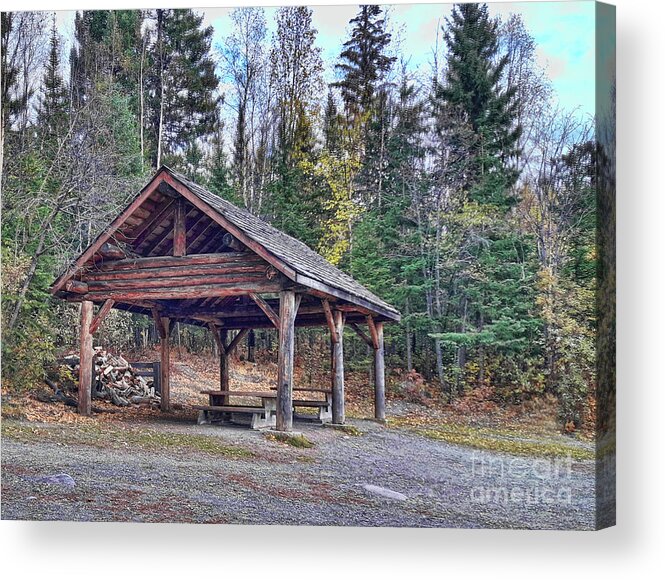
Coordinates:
261 417
302 403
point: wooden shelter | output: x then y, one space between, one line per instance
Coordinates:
181 253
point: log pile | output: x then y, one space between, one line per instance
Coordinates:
115 380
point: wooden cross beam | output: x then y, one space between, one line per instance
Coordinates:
361 334
267 309
373 332
330 321
101 314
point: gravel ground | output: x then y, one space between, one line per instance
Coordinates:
445 485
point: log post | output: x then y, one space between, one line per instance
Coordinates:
287 316
85 362
163 325
338 415
379 375
223 364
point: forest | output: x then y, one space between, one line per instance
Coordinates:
463 195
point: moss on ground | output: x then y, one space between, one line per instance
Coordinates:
299 441
348 429
113 437
499 440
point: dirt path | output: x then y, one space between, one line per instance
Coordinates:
180 472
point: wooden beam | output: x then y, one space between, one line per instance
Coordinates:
179 230
267 309
185 281
101 315
161 237
174 272
338 371
379 376
287 316
157 317
198 235
323 290
215 335
76 287
330 320
230 242
85 360
236 340
230 258
373 332
111 252
183 292
361 334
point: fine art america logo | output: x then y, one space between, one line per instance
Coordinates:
544 481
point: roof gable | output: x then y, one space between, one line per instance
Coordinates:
290 256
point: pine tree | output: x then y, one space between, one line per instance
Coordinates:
182 97
490 263
54 102
473 87
332 129
364 62
296 76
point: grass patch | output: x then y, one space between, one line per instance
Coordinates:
500 440
117 438
299 441
348 429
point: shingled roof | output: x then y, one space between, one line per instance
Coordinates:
303 265
300 257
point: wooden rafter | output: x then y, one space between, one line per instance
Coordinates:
106 234
148 226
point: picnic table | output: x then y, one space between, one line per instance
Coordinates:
221 408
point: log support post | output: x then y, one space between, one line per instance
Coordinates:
379 375
164 330
223 363
85 362
337 368
287 316
225 349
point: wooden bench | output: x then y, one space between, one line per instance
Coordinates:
324 407
220 409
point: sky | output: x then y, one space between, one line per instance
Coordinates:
563 32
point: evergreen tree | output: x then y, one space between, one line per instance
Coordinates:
492 270
296 69
182 97
54 102
473 87
364 62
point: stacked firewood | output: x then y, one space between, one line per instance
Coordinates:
115 380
